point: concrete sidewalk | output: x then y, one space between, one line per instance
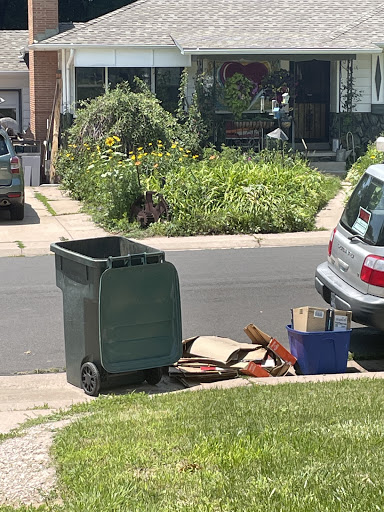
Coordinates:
33 235
29 396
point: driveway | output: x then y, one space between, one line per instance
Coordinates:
33 235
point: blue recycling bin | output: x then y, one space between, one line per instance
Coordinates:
321 351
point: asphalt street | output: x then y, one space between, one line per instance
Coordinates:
221 291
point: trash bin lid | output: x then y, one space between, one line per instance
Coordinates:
139 317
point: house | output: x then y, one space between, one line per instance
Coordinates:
14 77
333 51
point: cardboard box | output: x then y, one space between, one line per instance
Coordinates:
310 319
278 349
341 320
255 370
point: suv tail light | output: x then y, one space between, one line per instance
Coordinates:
372 271
330 243
15 165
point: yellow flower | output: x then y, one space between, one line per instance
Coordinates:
181 149
68 154
187 151
133 157
373 156
139 156
116 138
186 156
98 148
109 141
195 156
139 149
150 144
160 154
168 153
159 141
173 146
180 159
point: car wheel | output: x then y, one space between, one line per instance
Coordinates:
17 212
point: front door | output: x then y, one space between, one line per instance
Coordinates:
311 110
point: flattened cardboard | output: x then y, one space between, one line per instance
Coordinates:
216 347
256 335
255 370
278 349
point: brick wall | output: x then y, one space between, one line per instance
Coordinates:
43 19
43 65
42 78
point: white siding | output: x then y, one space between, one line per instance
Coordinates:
127 57
18 81
362 72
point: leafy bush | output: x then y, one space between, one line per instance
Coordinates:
372 156
225 193
137 118
104 178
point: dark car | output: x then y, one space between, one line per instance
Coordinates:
11 179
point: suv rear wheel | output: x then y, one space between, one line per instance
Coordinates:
17 212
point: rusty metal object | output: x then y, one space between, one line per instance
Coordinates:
150 213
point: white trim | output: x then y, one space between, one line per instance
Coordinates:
279 51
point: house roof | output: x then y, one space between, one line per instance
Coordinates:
12 43
199 26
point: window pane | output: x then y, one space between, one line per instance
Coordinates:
118 75
89 83
167 87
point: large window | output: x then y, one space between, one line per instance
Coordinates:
118 75
90 82
167 87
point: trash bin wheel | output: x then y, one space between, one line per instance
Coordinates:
153 375
90 379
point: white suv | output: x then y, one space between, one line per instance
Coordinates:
353 277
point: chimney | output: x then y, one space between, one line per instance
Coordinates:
42 23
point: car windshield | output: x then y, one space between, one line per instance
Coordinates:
364 212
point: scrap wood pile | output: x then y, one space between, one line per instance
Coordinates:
211 358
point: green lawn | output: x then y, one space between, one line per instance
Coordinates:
291 448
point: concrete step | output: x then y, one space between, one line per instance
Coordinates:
337 168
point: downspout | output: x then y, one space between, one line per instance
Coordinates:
64 79
68 84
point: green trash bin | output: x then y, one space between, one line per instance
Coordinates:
122 313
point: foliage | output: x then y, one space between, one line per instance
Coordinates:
238 94
229 193
190 117
372 156
206 102
104 178
137 118
349 95
276 84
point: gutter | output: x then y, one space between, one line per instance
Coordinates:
69 46
284 51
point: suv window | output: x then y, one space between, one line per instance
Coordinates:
3 147
364 212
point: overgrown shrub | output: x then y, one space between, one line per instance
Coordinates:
137 118
372 156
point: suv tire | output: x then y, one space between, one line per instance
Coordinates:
17 212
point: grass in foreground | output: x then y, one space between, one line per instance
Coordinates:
291 448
